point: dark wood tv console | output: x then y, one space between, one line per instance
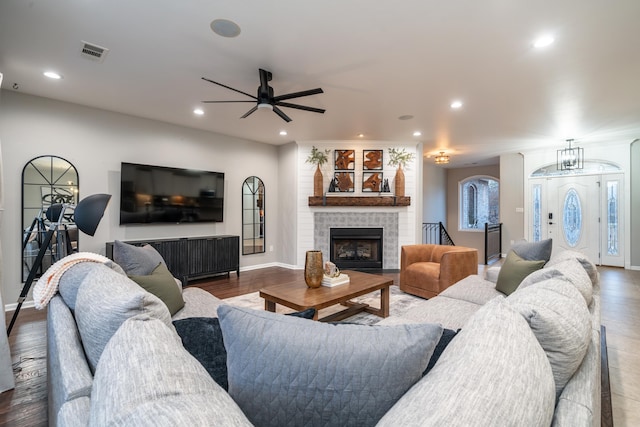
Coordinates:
195 257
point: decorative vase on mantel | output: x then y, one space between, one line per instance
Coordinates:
317 182
399 182
313 269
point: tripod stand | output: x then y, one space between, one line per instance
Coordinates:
86 215
44 242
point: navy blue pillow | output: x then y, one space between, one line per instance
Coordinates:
202 338
445 339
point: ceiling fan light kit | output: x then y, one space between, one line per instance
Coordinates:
265 97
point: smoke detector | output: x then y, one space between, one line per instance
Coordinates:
93 51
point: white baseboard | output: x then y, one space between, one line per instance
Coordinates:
271 264
12 307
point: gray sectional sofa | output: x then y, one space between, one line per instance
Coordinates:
532 358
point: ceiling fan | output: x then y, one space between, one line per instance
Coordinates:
265 98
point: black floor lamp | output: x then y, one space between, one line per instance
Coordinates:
86 215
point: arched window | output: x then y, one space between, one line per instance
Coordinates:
479 202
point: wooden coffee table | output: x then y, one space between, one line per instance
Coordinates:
298 296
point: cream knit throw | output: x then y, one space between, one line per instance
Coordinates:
47 286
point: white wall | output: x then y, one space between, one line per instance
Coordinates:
434 203
410 217
511 199
96 141
288 184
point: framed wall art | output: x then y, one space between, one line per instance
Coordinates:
345 159
372 182
342 182
372 160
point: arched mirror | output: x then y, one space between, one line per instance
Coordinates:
252 216
47 180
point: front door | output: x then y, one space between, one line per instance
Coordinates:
573 214
580 213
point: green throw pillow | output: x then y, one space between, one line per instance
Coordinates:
162 284
513 271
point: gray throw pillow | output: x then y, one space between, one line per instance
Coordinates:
286 371
105 299
570 270
560 320
494 373
513 271
202 338
146 378
586 263
136 260
533 251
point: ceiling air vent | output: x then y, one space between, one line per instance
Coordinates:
93 51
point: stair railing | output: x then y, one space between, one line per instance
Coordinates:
436 234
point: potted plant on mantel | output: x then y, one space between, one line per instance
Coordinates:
318 158
399 158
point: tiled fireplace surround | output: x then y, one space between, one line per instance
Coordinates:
388 221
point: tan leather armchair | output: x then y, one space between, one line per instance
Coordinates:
427 270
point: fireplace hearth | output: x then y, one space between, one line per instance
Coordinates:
356 248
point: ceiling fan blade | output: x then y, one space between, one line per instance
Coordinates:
298 94
281 114
223 102
249 112
229 87
301 107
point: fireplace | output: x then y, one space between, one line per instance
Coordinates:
356 248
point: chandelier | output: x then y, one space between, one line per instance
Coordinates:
570 158
442 159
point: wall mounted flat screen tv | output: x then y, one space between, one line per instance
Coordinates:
158 194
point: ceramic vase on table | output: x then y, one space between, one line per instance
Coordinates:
313 269
317 182
399 182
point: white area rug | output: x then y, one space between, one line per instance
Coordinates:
399 303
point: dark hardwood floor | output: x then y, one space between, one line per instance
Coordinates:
26 405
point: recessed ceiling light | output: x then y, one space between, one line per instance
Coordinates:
52 75
456 104
225 28
417 133
283 132
405 117
543 41
198 112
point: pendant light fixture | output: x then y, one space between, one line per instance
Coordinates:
570 158
442 159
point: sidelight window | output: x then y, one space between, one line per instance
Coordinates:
612 218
